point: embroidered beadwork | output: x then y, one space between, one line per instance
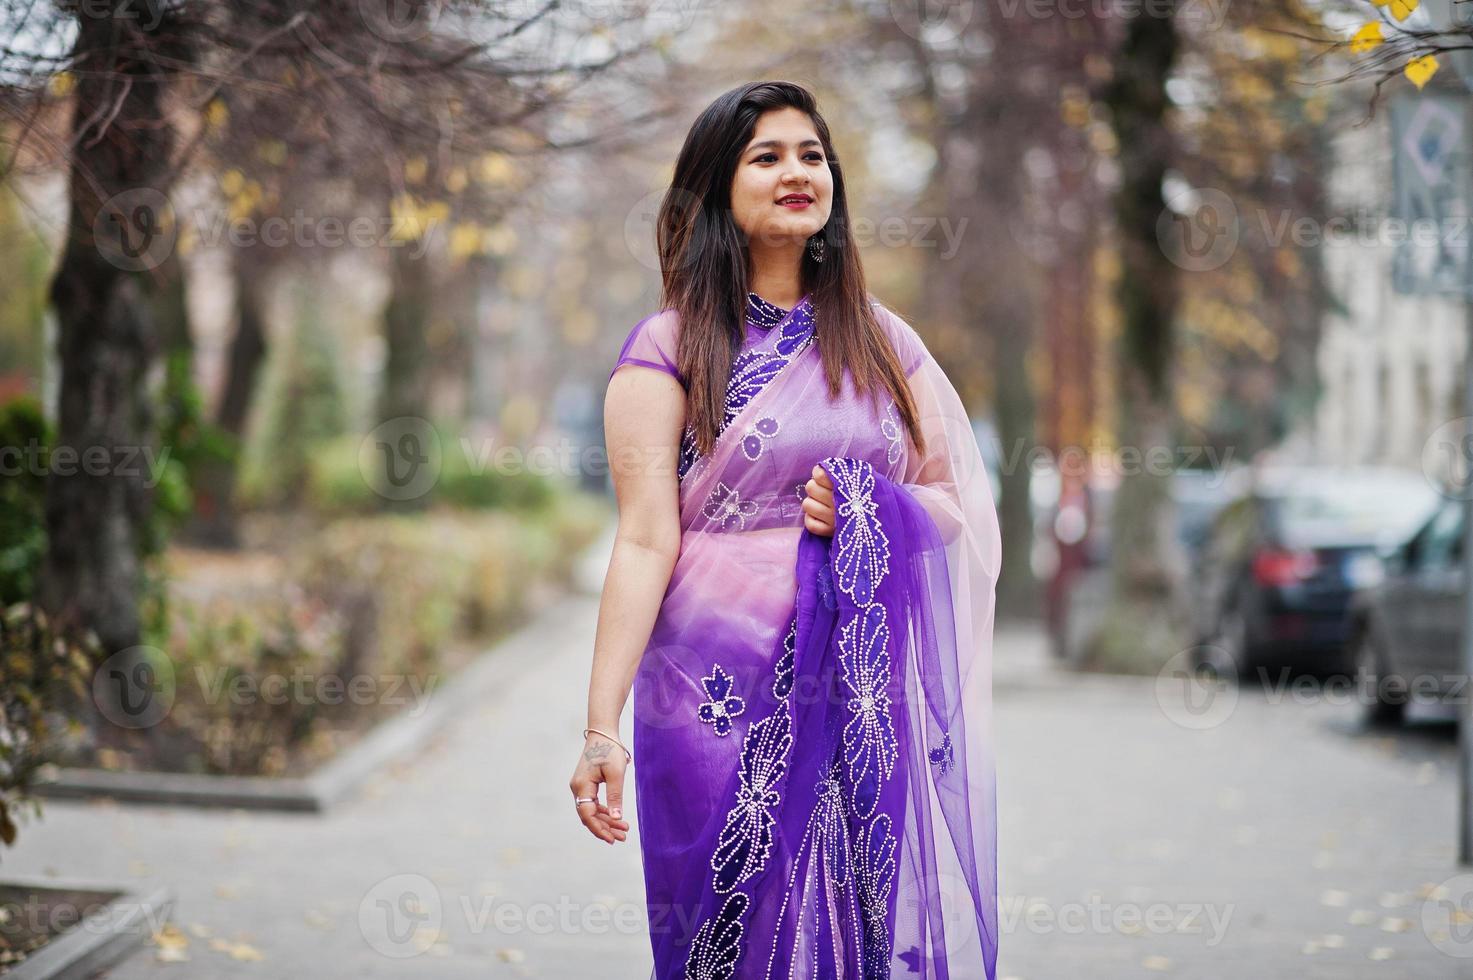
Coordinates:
826 593
942 757
756 437
826 837
828 818
722 705
743 845
761 313
890 429
874 870
863 549
862 866
718 943
727 506
870 745
751 372
782 682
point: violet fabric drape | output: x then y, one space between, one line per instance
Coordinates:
815 772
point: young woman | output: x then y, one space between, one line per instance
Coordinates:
801 591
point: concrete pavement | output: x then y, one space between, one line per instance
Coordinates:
1271 840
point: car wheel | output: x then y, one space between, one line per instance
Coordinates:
1381 693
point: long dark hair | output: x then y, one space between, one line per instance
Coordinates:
704 260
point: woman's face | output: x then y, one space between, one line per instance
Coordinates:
784 157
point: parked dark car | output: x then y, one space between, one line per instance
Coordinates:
1405 630
1282 560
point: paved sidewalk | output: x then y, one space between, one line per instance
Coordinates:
1310 841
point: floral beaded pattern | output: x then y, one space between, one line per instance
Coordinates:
722 706
853 846
870 748
863 549
762 314
942 756
890 428
727 507
782 683
745 841
869 736
717 945
756 436
753 370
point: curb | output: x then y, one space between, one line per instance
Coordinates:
100 940
399 737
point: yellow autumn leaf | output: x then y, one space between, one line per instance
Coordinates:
465 240
170 937
455 180
246 953
415 169
1419 70
216 114
410 218
273 151
1368 37
231 182
501 240
404 220
61 83
240 209
1402 9
1074 107
493 168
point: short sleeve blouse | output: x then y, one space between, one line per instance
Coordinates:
652 344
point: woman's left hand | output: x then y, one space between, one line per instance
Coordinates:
818 506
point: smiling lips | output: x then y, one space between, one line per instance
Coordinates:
795 201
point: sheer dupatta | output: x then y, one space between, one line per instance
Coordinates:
837 771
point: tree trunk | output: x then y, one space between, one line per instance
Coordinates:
98 502
1144 622
406 380
215 522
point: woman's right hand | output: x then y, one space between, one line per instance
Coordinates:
818 505
602 761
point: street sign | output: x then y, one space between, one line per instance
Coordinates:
1431 181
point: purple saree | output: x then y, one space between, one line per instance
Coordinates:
815 782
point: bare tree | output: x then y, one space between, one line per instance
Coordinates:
361 87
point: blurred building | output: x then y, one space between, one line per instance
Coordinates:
1390 361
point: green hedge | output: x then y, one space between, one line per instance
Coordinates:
392 597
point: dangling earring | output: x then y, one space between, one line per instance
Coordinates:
816 247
